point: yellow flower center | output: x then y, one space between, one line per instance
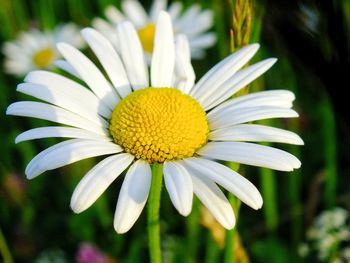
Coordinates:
44 57
159 124
146 35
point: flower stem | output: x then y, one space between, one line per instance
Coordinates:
4 250
153 214
229 252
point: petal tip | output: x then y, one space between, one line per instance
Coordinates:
229 223
120 229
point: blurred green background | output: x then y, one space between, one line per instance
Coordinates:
311 40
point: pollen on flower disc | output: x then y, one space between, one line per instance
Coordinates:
158 124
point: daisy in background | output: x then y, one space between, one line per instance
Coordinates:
37 50
166 119
192 22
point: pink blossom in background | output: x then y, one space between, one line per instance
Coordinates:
88 253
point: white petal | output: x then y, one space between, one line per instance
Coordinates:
184 73
214 199
114 15
62 132
174 10
135 12
227 178
251 154
97 180
65 66
108 30
188 17
132 196
132 55
203 41
277 98
228 118
63 98
223 71
202 22
157 6
90 74
235 83
68 152
255 133
109 59
179 185
58 82
163 58
68 33
52 113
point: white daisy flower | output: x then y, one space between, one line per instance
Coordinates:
166 119
193 22
37 50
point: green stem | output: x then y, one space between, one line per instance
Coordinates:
269 194
193 230
230 234
4 250
212 251
229 256
153 214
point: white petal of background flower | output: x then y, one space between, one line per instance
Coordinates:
96 181
59 131
114 15
69 33
109 59
55 81
132 196
201 23
108 30
90 74
251 154
156 8
68 152
135 12
132 54
227 178
214 200
188 17
179 185
163 58
174 10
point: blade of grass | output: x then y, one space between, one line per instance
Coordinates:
5 252
212 250
192 229
330 150
45 11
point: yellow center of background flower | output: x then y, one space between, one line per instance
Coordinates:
146 35
44 57
159 124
